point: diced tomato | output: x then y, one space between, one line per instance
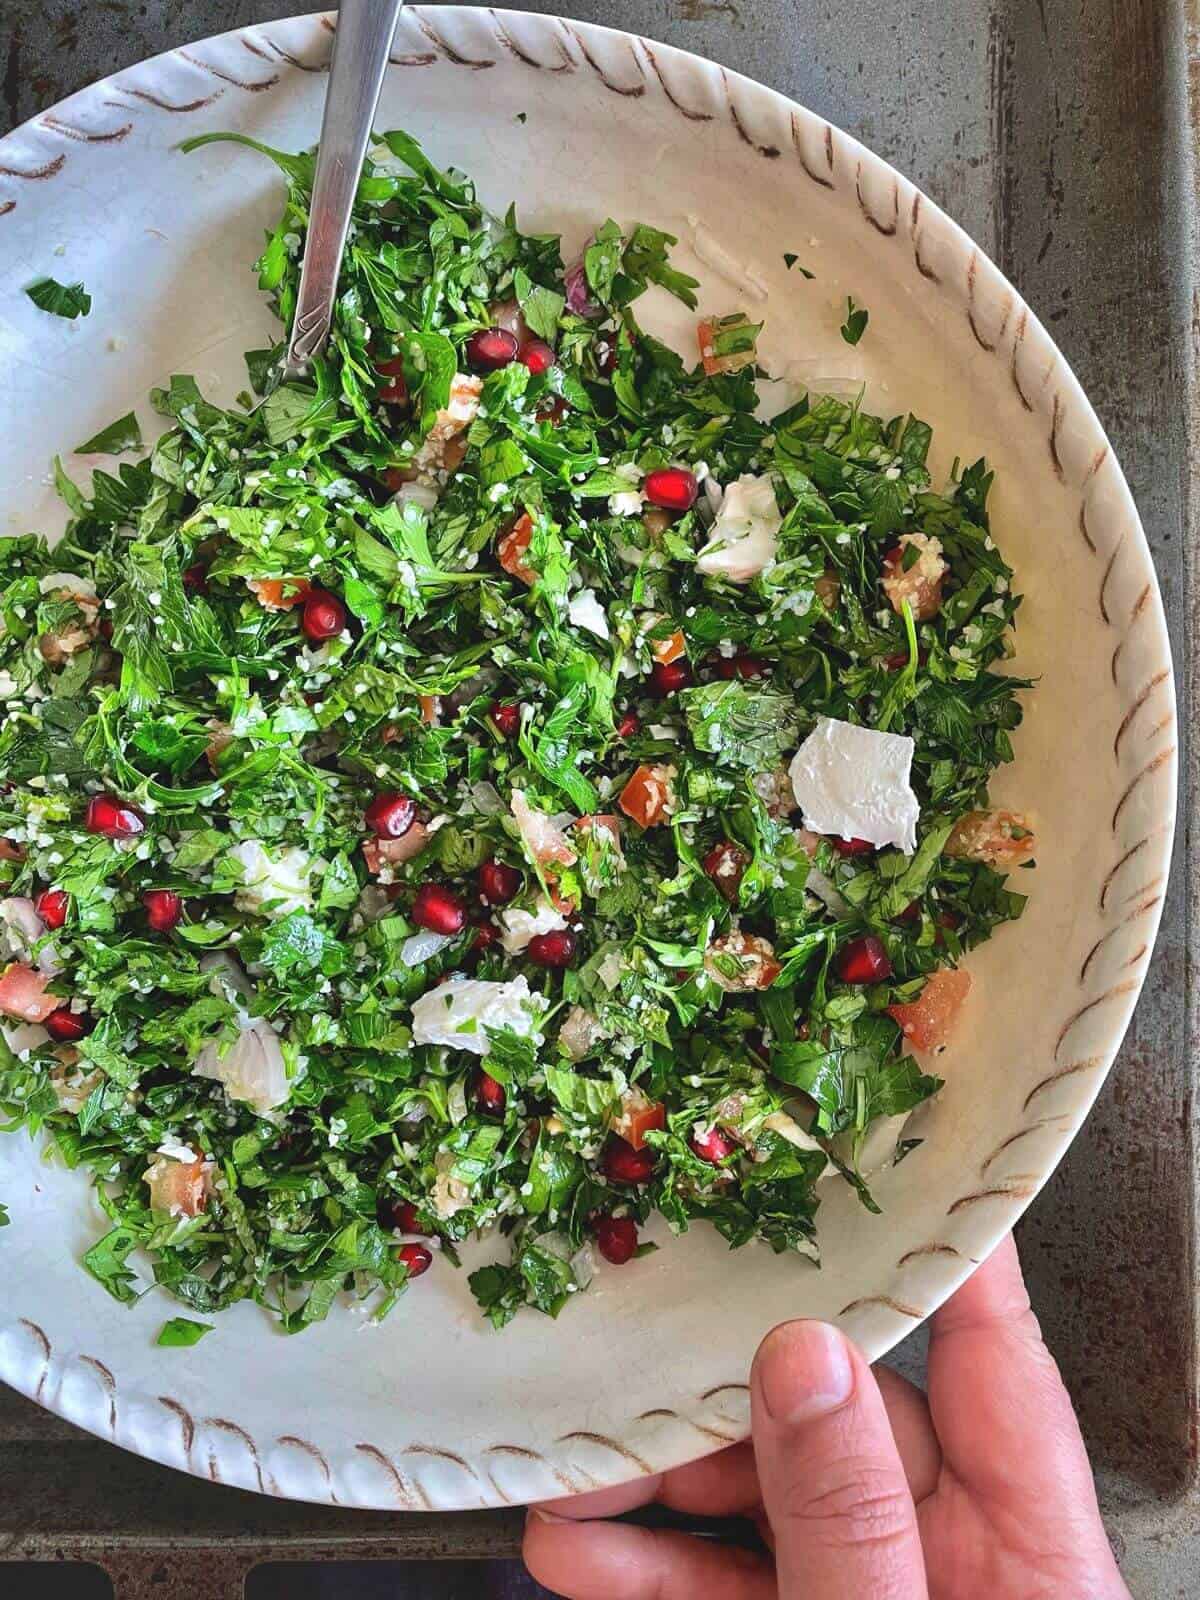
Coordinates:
649 796
707 333
757 967
928 1021
23 994
545 842
914 570
512 547
279 594
179 1187
998 838
669 649
394 852
639 1117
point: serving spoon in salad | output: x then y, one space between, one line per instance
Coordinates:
360 56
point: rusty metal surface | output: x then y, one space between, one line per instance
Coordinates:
1062 136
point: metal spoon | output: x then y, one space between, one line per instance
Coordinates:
360 57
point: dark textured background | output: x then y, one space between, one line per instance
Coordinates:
1058 132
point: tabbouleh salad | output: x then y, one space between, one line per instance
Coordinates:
503 782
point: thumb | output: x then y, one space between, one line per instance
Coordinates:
832 1482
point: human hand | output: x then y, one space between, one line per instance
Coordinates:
862 1487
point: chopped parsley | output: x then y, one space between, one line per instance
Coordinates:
69 300
396 834
856 321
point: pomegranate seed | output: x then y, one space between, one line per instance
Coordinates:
552 410
489 1095
395 391
390 815
65 1026
491 348
486 934
416 1258
863 960
506 718
628 726
726 864
498 882
616 1238
399 1214
910 915
672 488
439 909
852 847
623 1164
195 578
714 1146
113 818
668 677
52 906
556 949
537 355
164 908
740 666
323 617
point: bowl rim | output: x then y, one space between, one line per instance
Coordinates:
1006 331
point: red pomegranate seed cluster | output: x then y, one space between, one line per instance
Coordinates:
672 488
498 882
623 1164
616 1238
668 677
390 815
438 908
323 616
163 908
863 960
506 718
112 818
714 1146
490 1095
555 949
66 1026
52 905
416 1258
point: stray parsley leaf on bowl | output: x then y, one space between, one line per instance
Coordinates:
500 782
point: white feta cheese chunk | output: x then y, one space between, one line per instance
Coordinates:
275 882
745 535
522 926
585 611
419 947
853 783
625 503
460 1010
251 1068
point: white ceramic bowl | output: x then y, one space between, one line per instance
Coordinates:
432 1409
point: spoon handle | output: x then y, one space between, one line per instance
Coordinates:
360 57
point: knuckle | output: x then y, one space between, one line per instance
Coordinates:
853 1503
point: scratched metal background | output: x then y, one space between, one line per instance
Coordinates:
1061 134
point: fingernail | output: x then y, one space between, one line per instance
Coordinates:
546 1516
804 1371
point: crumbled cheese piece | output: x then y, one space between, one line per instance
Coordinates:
745 535
585 611
522 926
626 503
275 884
460 1010
853 783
